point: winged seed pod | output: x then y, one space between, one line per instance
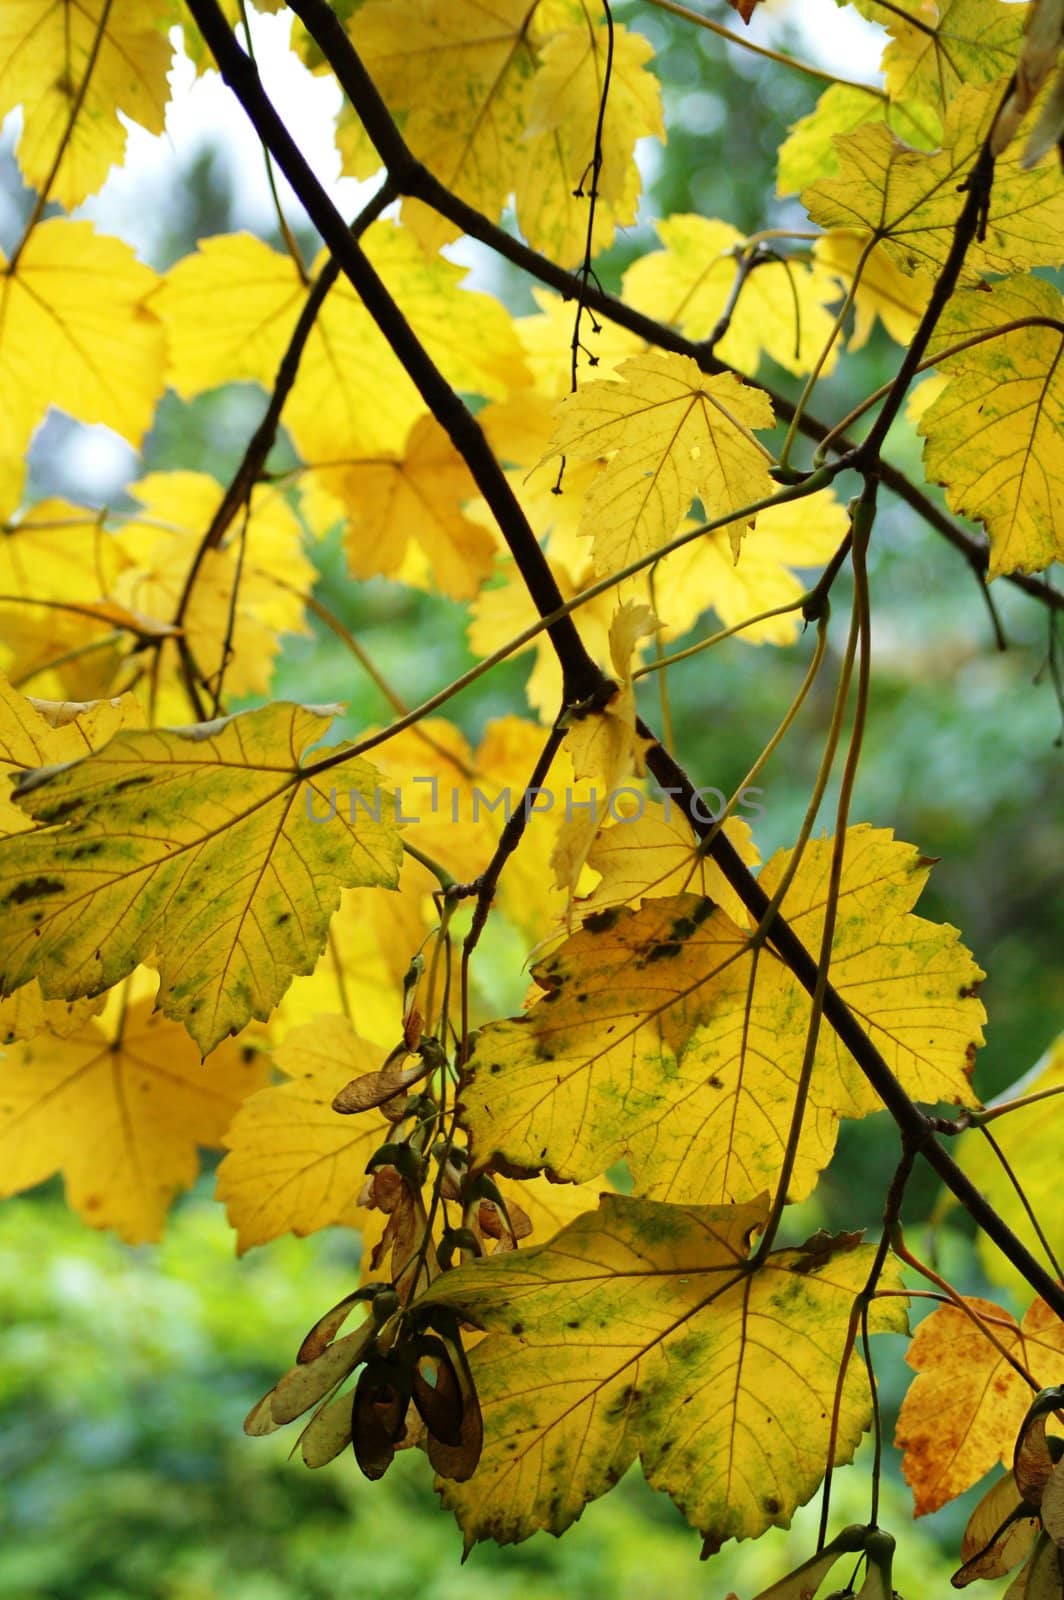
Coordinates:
1043 35
1016 1509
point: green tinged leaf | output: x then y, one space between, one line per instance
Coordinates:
195 849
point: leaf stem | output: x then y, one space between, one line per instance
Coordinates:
722 32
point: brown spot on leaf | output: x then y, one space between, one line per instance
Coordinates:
32 889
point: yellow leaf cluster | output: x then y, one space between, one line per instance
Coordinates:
505 99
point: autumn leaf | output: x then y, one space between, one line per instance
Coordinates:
502 611
671 433
641 1331
74 68
809 151
60 554
605 746
118 1109
781 309
1029 1140
554 179
909 199
971 42
883 290
964 1408
661 1041
195 848
505 760
295 1165
230 310
360 971
993 434
388 500
75 333
36 734
461 75
496 104
654 853
759 577
246 593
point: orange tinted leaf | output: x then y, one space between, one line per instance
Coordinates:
964 1407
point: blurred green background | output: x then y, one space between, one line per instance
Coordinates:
125 1374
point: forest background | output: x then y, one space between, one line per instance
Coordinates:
124 1374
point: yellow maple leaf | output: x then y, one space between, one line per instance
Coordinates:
119 1110
1029 1140
708 572
882 290
89 61
35 734
781 309
604 745
964 1408
503 610
58 552
505 760
655 853
388 500
506 98
208 850
808 152
663 1042
74 333
231 307
246 593
954 43
460 72
372 939
672 434
519 431
909 199
640 1332
546 338
295 1165
993 433
555 173
39 733
550 1207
